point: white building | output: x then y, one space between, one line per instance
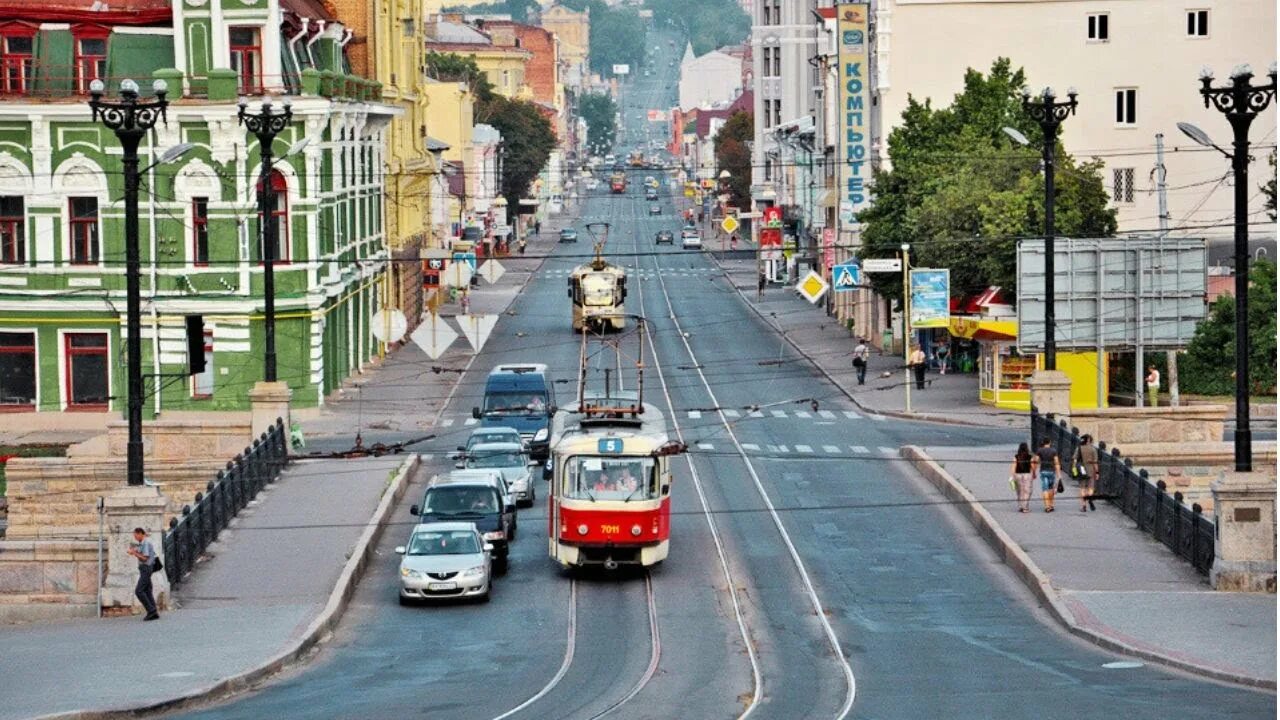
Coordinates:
709 80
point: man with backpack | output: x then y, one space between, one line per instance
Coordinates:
860 355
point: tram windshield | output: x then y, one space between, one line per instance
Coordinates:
610 478
597 290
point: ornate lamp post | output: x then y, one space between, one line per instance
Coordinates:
131 119
1049 113
265 125
1240 101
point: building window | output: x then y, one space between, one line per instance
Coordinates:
200 231
777 62
1197 23
16 60
91 62
88 387
246 59
280 216
17 371
772 12
202 382
13 236
1099 30
1127 106
84 231
407 27
1122 185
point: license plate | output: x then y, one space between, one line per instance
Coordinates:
442 586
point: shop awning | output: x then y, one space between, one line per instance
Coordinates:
972 328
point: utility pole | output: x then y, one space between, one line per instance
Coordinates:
906 320
1163 200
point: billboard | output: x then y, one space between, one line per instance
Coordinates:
930 298
1113 293
622 69
853 121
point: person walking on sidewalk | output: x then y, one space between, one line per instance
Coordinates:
917 361
142 549
860 354
1087 459
1047 466
1020 472
465 301
1153 386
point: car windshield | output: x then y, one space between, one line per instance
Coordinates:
490 459
515 402
610 478
481 438
460 500
454 542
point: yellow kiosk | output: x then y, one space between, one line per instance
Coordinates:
1004 375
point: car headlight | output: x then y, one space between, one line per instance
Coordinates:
406 572
540 435
474 572
495 535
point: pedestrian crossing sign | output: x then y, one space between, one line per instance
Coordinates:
846 277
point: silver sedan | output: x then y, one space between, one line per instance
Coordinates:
445 560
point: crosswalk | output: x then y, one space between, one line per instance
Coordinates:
458 423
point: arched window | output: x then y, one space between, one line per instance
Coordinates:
279 215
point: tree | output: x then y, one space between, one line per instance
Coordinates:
519 10
600 113
732 155
527 142
452 67
1209 363
708 24
961 192
1269 187
617 34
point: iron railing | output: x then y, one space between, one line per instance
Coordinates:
1187 531
224 496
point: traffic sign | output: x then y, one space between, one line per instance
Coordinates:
434 336
388 325
476 328
846 277
812 287
729 224
458 275
491 270
879 265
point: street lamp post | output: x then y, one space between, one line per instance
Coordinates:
131 119
265 125
1049 114
1241 101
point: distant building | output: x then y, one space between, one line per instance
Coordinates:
573 30
503 65
709 80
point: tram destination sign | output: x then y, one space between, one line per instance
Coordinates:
609 446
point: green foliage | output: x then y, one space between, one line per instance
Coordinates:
527 141
519 10
452 67
600 113
961 191
709 24
1209 363
732 155
617 34
1269 187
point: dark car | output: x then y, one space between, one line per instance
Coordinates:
569 235
655 209
664 237
650 194
474 502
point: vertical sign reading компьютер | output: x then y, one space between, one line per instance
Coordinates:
855 114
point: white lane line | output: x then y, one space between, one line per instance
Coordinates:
757 414
803 415
887 450
833 449
772 448
859 449
803 449
732 413
706 446
447 422
851 415
777 413
695 414
470 421
783 449
827 414
750 446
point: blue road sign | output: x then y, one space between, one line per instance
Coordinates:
846 277
468 258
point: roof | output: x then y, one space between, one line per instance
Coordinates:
436 145
311 9
114 12
454 526
447 32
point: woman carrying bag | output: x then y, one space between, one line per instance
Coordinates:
1020 476
1085 468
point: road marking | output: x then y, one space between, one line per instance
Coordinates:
859 449
804 449
695 414
887 450
783 449
803 414
777 413
851 415
827 414
732 413
447 422
880 418
833 449
750 446
470 421
757 414
706 446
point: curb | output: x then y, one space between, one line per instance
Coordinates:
293 654
917 417
1041 585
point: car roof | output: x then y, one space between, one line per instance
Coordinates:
479 477
498 447
451 526
494 430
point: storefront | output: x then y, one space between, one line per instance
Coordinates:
1004 375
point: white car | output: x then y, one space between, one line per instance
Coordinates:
511 460
690 239
445 560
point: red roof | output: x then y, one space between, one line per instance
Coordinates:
106 12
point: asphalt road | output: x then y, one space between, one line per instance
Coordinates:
853 583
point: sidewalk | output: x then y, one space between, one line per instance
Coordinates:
949 398
1104 579
266 583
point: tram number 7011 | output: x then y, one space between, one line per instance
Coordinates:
610 529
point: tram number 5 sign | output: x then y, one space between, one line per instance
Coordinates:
609 446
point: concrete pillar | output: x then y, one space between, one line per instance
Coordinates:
127 508
268 401
1051 392
1244 509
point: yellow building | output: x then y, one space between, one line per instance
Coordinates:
504 66
572 29
452 108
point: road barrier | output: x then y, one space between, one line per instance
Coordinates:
1187 531
224 496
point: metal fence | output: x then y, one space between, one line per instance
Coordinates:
224 496
1186 531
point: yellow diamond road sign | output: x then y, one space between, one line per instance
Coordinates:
730 224
812 287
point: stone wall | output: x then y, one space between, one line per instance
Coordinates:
1122 427
1190 468
44 579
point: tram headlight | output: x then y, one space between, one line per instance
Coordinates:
582 529
635 530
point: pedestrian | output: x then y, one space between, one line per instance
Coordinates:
860 355
520 245
1153 386
537 227
1047 467
1020 476
760 285
142 549
943 353
1087 462
733 241
466 302
917 362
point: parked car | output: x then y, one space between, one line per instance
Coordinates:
511 460
689 238
569 235
445 560
655 209
664 237
472 501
